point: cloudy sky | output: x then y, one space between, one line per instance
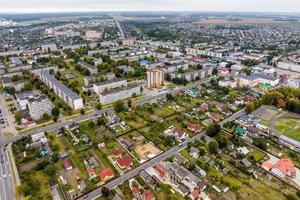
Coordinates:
149 5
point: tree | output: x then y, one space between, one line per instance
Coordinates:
50 170
213 146
129 103
170 97
213 129
281 104
119 106
222 140
55 112
105 192
82 111
46 117
214 71
249 107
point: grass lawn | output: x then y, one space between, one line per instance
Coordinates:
44 192
167 192
259 191
258 155
164 111
62 142
153 134
132 119
289 128
232 182
185 153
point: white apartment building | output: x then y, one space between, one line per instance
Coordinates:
92 35
65 93
195 52
289 66
49 47
119 94
39 105
115 83
155 78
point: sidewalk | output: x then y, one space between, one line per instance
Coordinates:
14 170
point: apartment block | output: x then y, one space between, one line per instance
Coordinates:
115 83
39 105
65 93
155 78
117 94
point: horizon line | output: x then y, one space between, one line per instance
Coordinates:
151 11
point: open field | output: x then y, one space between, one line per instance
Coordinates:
289 127
280 122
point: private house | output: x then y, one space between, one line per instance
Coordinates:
125 162
68 165
243 150
241 131
214 116
177 133
195 128
194 152
282 168
162 172
106 174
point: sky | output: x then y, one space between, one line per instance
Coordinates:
29 6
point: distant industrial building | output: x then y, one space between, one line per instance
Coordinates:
155 78
67 95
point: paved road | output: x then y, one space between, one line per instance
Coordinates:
8 185
93 115
112 184
7 189
120 29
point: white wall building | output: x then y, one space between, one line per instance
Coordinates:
39 105
155 78
65 93
49 47
195 52
119 94
115 83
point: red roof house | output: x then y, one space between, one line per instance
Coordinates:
195 128
284 167
161 170
117 153
215 116
106 174
124 162
148 195
136 192
195 194
68 164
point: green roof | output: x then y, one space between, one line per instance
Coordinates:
240 130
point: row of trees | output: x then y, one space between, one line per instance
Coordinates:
286 98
